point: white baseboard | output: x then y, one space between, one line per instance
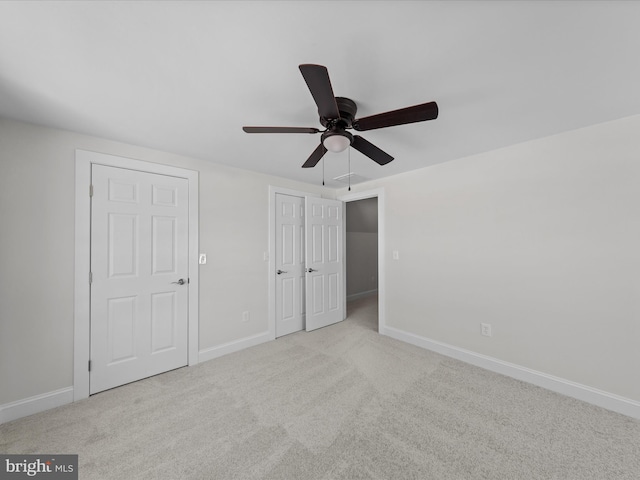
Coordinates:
36 404
40 403
603 399
356 296
236 345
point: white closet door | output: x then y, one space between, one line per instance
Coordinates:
139 267
324 262
289 274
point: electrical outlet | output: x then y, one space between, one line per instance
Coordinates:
485 329
396 255
245 316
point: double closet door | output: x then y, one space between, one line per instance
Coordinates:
309 263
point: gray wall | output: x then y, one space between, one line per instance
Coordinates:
37 188
541 240
362 246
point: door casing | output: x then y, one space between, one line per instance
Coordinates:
82 293
379 194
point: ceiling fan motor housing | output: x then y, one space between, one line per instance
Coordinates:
347 109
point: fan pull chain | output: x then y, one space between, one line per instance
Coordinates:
349 171
323 171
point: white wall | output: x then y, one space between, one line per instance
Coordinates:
37 252
541 240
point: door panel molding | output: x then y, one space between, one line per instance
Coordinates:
84 160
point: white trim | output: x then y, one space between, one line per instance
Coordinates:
36 404
234 346
82 295
356 296
382 281
271 282
610 401
84 160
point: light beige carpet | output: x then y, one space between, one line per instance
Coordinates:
339 403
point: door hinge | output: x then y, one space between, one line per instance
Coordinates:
91 190
89 365
90 278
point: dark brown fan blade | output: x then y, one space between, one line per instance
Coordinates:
417 113
370 150
315 157
280 130
317 78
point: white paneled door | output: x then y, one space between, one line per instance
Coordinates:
139 270
324 263
289 264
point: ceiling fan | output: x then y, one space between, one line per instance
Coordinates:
337 114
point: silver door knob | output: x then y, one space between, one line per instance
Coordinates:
180 282
280 271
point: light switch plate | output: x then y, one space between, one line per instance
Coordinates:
203 259
485 329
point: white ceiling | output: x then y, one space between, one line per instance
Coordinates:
184 77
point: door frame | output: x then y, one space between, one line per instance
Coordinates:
379 194
272 251
82 293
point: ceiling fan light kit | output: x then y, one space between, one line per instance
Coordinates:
336 141
337 114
